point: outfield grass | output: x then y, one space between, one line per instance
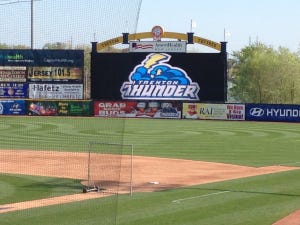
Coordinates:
243 143
259 200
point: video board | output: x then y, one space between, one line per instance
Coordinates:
158 76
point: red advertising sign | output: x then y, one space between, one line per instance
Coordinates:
153 109
113 108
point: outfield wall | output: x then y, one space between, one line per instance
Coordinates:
152 109
32 107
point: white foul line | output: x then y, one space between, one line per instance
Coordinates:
199 196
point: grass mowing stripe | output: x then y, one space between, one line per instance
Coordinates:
199 196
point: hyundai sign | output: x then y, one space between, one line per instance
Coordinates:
280 113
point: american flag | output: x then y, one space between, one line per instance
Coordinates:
142 46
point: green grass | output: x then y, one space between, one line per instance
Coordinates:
18 188
259 200
243 143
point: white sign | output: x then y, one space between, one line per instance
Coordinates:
157 46
56 91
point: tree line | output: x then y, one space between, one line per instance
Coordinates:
262 74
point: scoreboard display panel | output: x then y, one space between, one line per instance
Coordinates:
158 76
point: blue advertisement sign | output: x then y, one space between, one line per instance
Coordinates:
13 90
28 57
279 113
12 107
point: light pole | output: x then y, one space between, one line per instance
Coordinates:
31 24
31 14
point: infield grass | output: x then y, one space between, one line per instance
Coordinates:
18 188
259 200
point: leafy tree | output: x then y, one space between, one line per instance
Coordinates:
261 74
5 46
57 45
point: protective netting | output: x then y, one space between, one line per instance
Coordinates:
67 21
40 23
110 168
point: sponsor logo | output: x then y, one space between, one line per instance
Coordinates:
17 57
1 108
273 112
155 79
158 46
283 112
157 32
257 112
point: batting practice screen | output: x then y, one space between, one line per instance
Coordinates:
158 76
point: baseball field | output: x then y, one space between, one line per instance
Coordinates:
184 172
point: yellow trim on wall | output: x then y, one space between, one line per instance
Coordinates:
172 35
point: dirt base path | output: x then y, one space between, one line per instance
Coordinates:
292 219
149 173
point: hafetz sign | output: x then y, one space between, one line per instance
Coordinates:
155 79
55 91
158 46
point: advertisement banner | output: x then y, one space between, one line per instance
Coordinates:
12 74
42 108
36 57
235 112
213 111
13 90
266 112
137 109
56 74
74 108
59 108
55 91
12 107
157 46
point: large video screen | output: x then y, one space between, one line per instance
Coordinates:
158 76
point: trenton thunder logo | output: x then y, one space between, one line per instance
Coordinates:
155 79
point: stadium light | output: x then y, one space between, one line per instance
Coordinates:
9 2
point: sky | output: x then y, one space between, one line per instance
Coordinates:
272 22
